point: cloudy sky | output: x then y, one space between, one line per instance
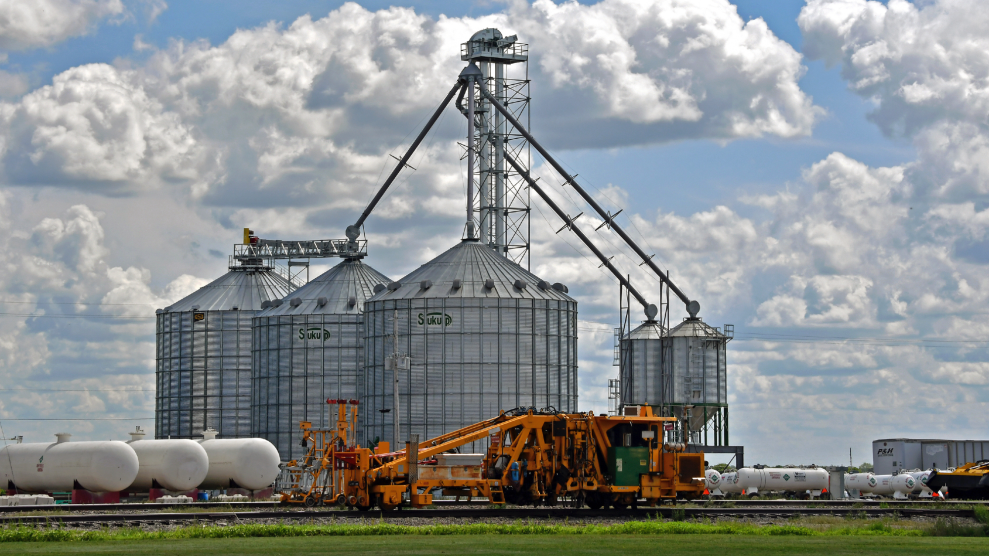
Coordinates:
815 173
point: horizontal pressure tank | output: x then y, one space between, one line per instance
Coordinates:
920 488
897 486
782 479
858 483
903 485
712 480
250 463
178 465
729 483
109 466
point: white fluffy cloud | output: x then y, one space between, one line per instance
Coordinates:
40 23
922 62
93 125
279 116
71 322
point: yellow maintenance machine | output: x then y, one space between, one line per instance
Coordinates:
534 457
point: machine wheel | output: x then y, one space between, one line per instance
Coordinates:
594 501
622 501
311 501
363 508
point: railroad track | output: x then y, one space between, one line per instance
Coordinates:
254 506
475 513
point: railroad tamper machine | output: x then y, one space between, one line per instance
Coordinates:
534 457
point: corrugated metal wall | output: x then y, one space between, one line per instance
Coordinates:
641 371
470 359
203 374
295 372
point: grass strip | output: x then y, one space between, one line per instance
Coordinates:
31 534
941 528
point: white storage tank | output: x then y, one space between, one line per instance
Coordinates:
859 483
178 465
729 483
249 463
712 480
105 466
783 479
920 489
897 486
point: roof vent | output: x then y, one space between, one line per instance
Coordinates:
394 286
457 283
296 301
235 308
520 284
489 284
426 284
195 307
561 288
352 301
265 304
321 302
276 302
62 437
379 288
544 285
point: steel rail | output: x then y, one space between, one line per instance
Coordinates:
608 218
667 512
262 506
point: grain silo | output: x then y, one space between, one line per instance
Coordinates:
696 373
482 335
203 353
640 368
308 348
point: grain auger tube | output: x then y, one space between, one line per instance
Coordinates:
693 307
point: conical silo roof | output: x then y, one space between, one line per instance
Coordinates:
242 288
349 281
648 330
466 270
695 327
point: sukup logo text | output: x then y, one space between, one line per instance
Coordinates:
314 333
435 319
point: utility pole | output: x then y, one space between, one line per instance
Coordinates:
395 366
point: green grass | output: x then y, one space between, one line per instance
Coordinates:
806 536
463 545
379 529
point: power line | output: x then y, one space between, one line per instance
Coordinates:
87 419
77 303
35 316
74 390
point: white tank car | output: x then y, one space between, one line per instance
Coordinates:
250 463
729 483
897 486
783 479
858 484
105 466
176 465
920 489
712 481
